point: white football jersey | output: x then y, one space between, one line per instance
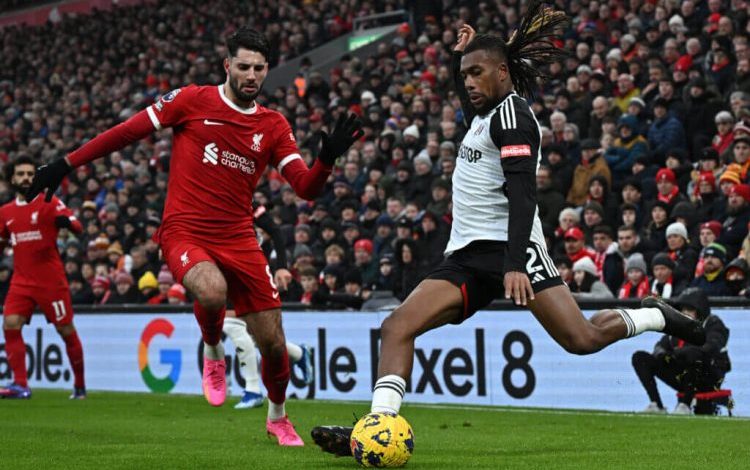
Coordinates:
480 205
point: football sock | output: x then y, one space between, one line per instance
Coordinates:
388 394
210 322
639 320
236 330
294 351
214 352
75 355
16 351
275 374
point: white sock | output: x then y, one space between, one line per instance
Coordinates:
294 352
638 320
236 330
214 353
388 394
276 412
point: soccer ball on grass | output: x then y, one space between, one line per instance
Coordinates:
382 440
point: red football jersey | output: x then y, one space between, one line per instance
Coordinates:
31 231
219 152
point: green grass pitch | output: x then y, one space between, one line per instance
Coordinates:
144 431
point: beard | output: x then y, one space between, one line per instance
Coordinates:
241 95
735 210
20 188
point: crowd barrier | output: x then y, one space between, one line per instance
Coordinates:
498 357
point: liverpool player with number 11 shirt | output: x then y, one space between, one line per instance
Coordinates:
223 141
30 226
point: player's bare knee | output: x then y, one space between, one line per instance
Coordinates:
393 328
65 330
579 342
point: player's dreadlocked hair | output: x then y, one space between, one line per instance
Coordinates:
529 48
10 167
247 38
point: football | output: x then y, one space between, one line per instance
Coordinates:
382 440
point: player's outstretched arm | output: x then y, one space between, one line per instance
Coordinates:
49 177
465 34
308 183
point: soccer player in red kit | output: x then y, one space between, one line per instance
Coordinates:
38 276
223 142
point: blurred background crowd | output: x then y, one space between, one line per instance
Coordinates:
643 187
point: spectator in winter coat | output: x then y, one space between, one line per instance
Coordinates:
654 235
735 224
561 169
712 282
724 137
664 284
668 191
592 163
679 250
684 367
628 146
736 276
125 291
708 234
549 200
665 133
575 245
586 283
636 285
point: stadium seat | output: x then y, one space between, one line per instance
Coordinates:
708 402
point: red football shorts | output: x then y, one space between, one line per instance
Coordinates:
249 280
55 303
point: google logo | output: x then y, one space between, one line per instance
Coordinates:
171 357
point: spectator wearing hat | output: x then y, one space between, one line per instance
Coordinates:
677 161
636 285
586 284
422 180
561 169
708 205
148 286
708 233
568 218
628 146
637 109
685 257
385 281
409 270
402 182
549 200
654 234
80 290
606 259
575 245
364 261
165 281
593 215
711 281
177 295
702 108
433 238
684 212
735 224
632 194
592 163
100 287
125 291
666 131
736 276
342 194
665 284
626 90
723 140
668 191
721 61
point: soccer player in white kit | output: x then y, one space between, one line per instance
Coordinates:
496 246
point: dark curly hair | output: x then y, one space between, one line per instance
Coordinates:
247 38
529 48
10 167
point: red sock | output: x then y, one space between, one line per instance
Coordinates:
16 351
75 356
211 323
275 374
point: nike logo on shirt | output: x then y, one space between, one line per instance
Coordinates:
212 123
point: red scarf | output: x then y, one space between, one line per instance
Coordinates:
599 263
699 267
583 252
668 198
641 290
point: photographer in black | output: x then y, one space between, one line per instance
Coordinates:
686 368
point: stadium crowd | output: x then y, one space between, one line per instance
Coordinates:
643 185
